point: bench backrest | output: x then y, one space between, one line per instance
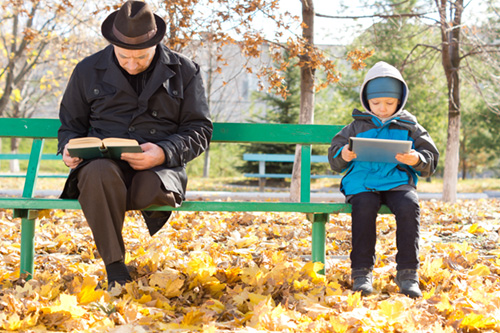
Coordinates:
305 135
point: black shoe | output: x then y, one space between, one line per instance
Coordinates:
407 281
113 284
117 274
362 279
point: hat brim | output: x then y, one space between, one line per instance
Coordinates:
107 32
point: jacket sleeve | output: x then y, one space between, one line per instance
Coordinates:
195 126
427 151
337 163
74 111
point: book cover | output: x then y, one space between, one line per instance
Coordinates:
91 147
378 150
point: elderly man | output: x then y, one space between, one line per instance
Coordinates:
135 88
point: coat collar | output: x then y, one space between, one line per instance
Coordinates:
167 57
163 70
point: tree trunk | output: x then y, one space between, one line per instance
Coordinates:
450 178
450 57
206 163
14 148
306 93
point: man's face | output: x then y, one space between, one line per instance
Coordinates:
134 61
383 107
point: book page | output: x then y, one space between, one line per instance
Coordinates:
84 142
119 142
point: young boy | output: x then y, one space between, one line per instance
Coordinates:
368 185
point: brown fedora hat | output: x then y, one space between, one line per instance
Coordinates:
134 26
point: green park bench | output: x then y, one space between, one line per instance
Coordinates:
281 158
11 156
27 205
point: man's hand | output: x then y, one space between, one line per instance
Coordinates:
71 162
151 156
411 158
347 154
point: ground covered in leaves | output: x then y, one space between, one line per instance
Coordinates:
242 272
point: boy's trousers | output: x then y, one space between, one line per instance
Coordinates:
404 206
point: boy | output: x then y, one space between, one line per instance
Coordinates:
368 185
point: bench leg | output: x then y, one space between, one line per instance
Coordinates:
319 239
262 184
27 246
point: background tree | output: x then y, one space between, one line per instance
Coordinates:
36 41
277 110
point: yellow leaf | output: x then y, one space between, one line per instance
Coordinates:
445 305
477 321
193 318
144 299
169 281
13 323
354 299
391 310
257 298
476 229
88 294
215 305
16 96
480 270
68 303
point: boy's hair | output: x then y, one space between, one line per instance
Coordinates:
384 87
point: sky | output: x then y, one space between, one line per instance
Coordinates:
342 31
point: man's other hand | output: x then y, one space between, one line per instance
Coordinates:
71 162
151 156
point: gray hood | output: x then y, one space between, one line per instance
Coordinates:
383 69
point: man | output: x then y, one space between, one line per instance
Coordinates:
135 88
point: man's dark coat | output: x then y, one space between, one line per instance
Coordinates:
171 111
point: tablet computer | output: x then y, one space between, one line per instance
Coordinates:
378 150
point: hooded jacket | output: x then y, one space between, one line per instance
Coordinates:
402 125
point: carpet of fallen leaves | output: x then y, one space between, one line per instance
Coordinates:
250 272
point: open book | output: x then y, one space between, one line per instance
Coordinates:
378 150
91 147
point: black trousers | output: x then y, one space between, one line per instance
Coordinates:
404 205
107 190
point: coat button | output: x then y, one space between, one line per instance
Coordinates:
152 131
154 113
175 92
131 129
96 91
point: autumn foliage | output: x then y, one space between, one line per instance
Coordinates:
247 272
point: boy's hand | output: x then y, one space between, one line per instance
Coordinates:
347 154
411 158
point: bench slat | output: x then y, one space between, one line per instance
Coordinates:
207 206
223 132
281 158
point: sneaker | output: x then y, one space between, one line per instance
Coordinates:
407 281
362 279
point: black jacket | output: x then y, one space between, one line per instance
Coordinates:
171 111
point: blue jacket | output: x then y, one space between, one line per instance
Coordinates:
373 176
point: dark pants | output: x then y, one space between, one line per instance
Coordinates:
107 190
404 205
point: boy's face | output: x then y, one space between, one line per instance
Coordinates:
383 107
